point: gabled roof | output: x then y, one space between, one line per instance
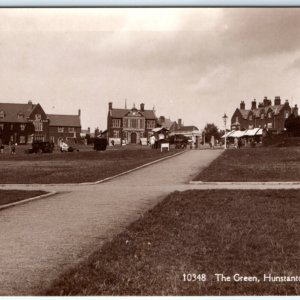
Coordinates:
64 120
245 113
119 113
186 128
12 110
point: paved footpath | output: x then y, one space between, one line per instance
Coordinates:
41 239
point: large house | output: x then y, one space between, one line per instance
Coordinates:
21 123
130 125
64 128
24 123
265 115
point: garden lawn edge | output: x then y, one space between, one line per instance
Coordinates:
5 206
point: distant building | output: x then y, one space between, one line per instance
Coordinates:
64 128
265 115
23 123
130 124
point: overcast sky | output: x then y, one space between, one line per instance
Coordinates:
189 63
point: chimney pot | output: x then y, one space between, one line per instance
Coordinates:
142 105
109 105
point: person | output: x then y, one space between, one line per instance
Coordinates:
13 148
212 142
152 141
239 143
2 148
112 143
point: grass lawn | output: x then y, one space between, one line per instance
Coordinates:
250 233
11 196
254 164
83 166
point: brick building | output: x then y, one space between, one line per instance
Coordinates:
64 128
130 124
263 115
21 123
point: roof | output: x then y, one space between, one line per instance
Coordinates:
12 110
158 129
187 128
64 120
121 112
245 113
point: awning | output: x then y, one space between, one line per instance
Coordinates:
227 134
158 129
237 134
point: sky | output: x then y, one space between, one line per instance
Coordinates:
190 63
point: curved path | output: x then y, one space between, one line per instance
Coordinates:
41 239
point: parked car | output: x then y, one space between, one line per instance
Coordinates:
40 147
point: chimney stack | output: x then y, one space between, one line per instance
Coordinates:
30 104
79 112
242 105
142 105
179 123
109 105
277 100
265 103
253 104
295 110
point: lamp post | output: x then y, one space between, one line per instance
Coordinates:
225 121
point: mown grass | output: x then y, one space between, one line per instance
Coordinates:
83 166
203 232
11 196
258 164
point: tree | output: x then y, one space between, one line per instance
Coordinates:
211 130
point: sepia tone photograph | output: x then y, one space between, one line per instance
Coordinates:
149 151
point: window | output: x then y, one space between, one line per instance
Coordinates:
269 125
262 116
60 129
116 133
236 119
22 139
20 115
286 114
150 124
38 126
269 115
250 118
1 126
11 126
38 117
116 123
71 130
22 127
29 139
2 115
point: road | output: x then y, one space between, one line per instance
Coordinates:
41 239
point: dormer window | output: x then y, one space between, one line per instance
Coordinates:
2 114
20 115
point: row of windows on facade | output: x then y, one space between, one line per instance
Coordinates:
133 123
117 135
20 115
262 116
37 127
